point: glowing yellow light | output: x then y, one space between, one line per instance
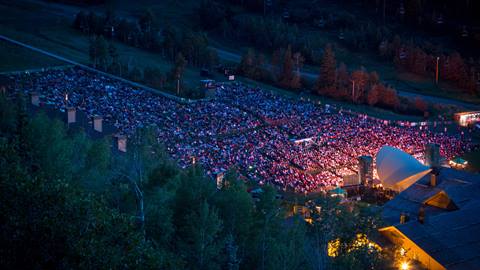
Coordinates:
361 240
333 247
404 266
402 251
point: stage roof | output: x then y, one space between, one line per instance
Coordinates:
398 170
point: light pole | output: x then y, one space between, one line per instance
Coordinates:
436 72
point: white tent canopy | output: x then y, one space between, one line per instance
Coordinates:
398 170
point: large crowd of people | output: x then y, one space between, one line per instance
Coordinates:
297 145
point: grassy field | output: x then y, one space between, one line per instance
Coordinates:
15 58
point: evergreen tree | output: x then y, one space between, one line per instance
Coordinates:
113 53
287 75
232 261
267 224
236 208
98 51
327 77
201 238
179 67
52 221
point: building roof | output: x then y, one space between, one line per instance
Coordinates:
398 170
450 235
451 238
461 187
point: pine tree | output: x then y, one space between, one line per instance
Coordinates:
92 51
102 52
177 70
286 75
327 76
267 224
232 261
236 208
296 82
201 237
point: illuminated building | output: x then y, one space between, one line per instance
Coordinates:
465 119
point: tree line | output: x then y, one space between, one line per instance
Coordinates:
422 60
68 201
271 31
337 82
104 56
358 86
265 34
144 32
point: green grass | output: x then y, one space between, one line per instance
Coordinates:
15 58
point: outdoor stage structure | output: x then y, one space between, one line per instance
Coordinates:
398 170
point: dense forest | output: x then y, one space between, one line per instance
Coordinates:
69 201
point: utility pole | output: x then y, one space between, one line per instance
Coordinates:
436 72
